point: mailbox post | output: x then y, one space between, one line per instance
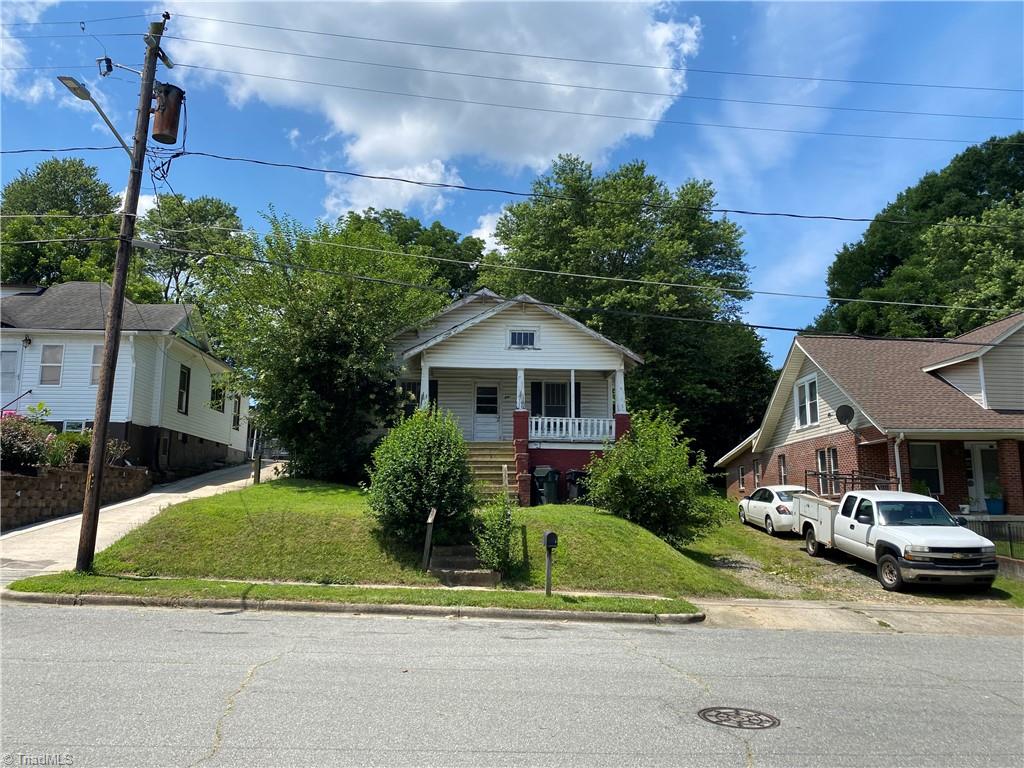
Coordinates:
550 540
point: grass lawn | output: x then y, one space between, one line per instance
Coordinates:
77 584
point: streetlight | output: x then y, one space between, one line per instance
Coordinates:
79 90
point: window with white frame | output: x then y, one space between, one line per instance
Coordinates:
236 413
522 338
97 359
828 469
184 383
51 363
782 469
805 395
757 473
741 473
926 466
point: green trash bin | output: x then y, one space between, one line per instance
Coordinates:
551 487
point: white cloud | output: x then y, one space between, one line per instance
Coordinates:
146 202
376 132
293 137
485 225
356 194
14 84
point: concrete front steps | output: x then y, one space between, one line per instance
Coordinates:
458 567
487 461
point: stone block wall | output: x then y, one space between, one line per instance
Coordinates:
58 491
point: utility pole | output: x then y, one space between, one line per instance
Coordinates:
115 309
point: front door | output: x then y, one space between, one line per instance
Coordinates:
982 468
10 374
485 415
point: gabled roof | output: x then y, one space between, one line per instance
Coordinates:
501 306
983 338
743 447
82 306
481 293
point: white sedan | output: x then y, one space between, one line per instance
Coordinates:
770 507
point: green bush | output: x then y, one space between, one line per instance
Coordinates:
651 477
419 465
498 544
73 447
23 442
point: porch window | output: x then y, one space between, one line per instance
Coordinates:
522 338
806 397
782 469
925 466
51 364
551 398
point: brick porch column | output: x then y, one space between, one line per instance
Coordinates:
623 423
1010 477
520 444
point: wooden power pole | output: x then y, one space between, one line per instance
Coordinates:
115 308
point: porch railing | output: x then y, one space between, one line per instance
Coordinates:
578 429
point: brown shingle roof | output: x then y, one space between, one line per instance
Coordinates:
982 336
885 379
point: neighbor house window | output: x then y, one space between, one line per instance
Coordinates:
236 412
184 380
74 426
50 364
782 470
925 465
97 358
757 473
741 474
217 398
806 397
522 339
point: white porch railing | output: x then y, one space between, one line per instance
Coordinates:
563 428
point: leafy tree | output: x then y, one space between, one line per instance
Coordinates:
200 225
889 262
85 208
436 240
716 375
310 343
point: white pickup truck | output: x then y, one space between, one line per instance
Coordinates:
910 538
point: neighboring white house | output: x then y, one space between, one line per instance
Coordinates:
165 402
519 373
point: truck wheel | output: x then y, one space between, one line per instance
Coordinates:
769 526
811 543
889 574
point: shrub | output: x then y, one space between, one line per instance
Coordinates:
22 442
498 545
651 477
70 448
421 464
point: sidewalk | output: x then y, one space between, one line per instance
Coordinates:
52 546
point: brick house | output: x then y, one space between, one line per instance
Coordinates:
950 416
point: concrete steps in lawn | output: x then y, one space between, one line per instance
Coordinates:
459 567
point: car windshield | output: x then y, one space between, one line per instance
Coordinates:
914 513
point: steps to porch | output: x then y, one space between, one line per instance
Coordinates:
487 460
459 567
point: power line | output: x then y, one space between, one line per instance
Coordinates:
576 113
603 62
58 149
580 86
61 240
79 21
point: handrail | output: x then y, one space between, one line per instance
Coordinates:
26 392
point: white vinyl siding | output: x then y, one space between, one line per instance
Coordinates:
829 399
1004 374
441 324
966 377
147 355
74 399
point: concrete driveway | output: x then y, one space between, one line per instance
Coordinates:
52 546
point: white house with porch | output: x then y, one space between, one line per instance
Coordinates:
528 385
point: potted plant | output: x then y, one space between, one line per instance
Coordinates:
994 498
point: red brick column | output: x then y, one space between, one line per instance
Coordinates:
1010 477
623 423
520 444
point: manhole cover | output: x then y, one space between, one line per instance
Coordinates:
738 718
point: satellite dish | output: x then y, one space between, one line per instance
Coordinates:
844 414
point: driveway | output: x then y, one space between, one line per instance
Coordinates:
53 546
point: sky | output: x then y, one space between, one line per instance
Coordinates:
963 44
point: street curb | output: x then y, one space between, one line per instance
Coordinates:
300 606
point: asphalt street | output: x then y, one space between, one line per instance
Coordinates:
162 687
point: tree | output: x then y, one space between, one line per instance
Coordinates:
889 261
185 229
309 342
83 212
715 376
437 241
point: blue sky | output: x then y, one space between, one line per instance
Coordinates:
954 43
